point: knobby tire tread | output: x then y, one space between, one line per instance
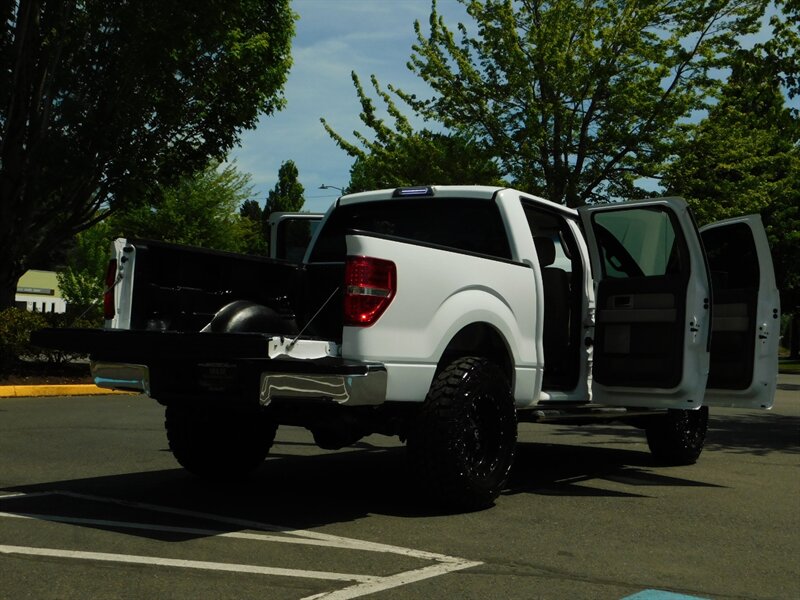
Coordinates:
437 449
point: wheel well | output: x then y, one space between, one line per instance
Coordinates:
245 316
479 339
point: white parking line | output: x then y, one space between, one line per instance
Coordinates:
184 564
363 584
393 581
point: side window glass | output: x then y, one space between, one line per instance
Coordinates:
732 258
638 242
554 242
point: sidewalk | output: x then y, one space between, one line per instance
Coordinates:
788 382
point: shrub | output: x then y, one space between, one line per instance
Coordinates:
16 326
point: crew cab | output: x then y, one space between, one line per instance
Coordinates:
445 315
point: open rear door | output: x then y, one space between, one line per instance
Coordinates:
746 314
652 322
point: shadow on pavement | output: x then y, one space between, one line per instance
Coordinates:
301 492
564 470
299 487
753 433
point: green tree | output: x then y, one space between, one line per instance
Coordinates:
744 157
286 196
100 101
425 158
200 210
398 156
288 193
251 209
782 50
255 242
578 100
82 281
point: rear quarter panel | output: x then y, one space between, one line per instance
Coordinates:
439 292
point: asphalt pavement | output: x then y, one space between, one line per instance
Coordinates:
92 505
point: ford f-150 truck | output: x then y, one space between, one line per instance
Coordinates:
445 315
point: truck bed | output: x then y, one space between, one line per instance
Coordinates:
181 288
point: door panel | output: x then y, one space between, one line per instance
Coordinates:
745 328
652 320
635 334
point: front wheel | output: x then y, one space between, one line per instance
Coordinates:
677 438
461 446
218 444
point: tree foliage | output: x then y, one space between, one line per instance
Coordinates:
744 157
82 281
199 210
395 155
424 158
576 99
101 100
254 241
251 209
782 50
288 193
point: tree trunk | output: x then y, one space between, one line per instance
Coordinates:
9 277
794 337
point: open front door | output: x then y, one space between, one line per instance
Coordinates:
651 343
746 314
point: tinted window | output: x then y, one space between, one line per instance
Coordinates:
732 257
466 224
544 224
638 242
293 238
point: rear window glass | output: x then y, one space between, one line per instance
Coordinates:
465 224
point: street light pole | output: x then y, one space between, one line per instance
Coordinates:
331 187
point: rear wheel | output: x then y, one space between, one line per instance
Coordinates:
462 444
218 444
677 438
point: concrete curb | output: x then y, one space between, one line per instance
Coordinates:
30 391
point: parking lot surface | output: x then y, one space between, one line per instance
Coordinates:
92 504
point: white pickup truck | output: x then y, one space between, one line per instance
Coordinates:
446 315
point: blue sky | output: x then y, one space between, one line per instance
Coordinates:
333 38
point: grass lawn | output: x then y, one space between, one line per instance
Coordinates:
790 367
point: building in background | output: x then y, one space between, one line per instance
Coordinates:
38 291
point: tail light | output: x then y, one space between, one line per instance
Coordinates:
370 286
109 307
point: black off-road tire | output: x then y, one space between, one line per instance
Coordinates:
461 446
678 437
218 445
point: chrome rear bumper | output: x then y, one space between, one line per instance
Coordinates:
349 384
